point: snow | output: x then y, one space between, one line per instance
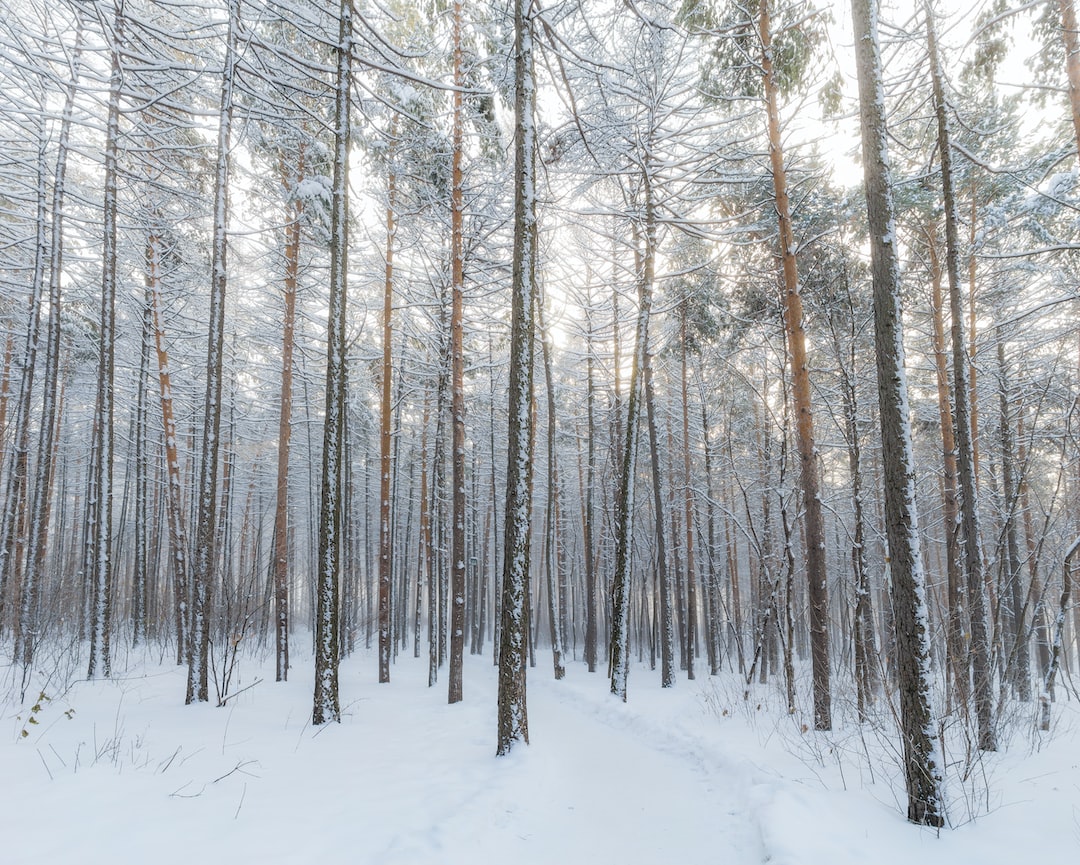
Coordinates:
121 771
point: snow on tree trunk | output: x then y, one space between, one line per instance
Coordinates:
203 570
513 719
922 762
457 375
41 498
962 389
101 564
327 706
17 463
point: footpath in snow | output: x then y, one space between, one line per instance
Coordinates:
122 772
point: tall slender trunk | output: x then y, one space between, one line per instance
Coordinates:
386 550
5 390
1018 656
592 598
688 502
813 520
423 555
556 604
41 498
327 705
174 485
1036 594
969 503
144 514
1046 695
619 652
646 284
457 374
955 635
101 564
922 763
203 570
16 469
513 722
291 177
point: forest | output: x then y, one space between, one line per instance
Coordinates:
667 339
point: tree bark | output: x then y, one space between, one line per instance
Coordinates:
813 520
955 635
100 564
969 501
922 763
41 498
327 706
291 177
513 722
457 374
386 548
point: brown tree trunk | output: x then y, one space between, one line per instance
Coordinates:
386 465
955 639
556 603
174 506
814 525
1071 37
291 178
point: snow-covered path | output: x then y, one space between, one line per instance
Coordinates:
404 780
120 772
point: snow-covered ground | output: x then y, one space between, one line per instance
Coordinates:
121 772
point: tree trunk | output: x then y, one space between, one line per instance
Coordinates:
100 564
41 498
814 524
16 482
645 290
688 502
513 722
556 605
592 594
1046 696
969 503
922 763
457 375
955 639
327 706
295 208
1018 656
1070 35
386 550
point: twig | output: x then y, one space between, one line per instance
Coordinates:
43 763
228 697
